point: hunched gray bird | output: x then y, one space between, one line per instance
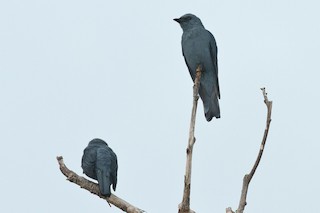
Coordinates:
100 163
199 48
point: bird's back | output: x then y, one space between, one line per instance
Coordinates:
100 163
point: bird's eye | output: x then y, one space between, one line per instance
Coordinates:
186 18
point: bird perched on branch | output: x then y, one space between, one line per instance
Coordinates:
199 48
100 163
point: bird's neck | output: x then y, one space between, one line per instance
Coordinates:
192 28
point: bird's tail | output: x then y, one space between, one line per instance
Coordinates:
104 183
212 109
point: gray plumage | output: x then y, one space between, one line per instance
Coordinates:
100 163
199 48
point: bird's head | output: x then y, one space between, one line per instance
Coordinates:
98 141
188 21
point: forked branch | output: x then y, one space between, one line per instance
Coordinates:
247 178
184 206
94 189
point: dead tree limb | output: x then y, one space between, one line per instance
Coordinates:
247 178
94 189
184 206
229 210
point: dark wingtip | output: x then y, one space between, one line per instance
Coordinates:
209 117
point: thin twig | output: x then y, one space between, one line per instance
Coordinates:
184 206
247 178
94 189
229 210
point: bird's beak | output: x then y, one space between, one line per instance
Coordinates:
177 20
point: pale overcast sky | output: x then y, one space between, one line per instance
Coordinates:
71 71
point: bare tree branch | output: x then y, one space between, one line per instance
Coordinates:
184 206
247 178
94 189
229 210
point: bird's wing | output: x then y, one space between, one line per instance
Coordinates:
88 158
191 71
88 162
114 170
103 170
214 53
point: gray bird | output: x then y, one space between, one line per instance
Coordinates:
100 163
199 48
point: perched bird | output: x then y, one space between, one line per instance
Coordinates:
100 163
199 48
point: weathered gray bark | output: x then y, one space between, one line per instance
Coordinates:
184 206
247 178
